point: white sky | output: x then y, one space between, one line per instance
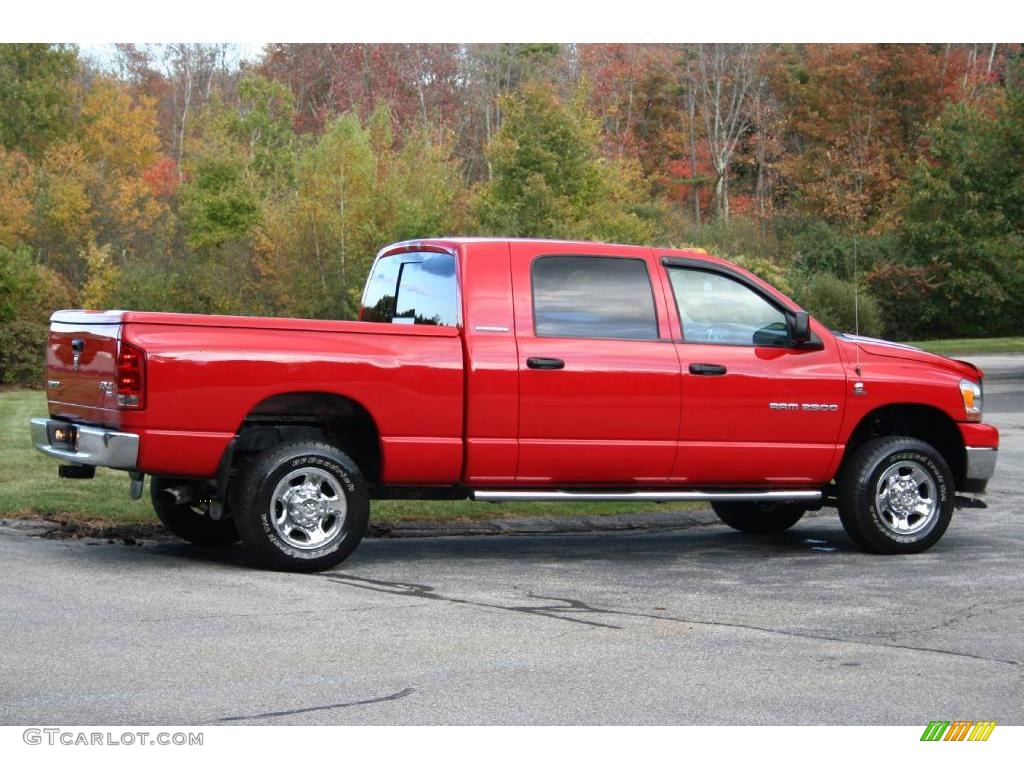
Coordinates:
103 53
102 21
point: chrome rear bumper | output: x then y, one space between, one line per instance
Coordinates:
94 446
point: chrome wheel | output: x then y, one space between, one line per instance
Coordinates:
906 498
308 508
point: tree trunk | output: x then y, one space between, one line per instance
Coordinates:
691 105
721 194
726 78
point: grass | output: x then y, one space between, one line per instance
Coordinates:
972 346
29 486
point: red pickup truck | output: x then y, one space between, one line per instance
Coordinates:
517 369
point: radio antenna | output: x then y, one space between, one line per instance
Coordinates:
856 303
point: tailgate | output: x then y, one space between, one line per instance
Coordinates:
81 365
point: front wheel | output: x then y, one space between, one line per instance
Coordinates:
758 517
302 506
896 496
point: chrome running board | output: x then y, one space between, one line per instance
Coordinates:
645 495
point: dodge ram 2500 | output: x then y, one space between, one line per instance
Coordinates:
501 369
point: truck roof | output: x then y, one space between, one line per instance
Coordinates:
453 241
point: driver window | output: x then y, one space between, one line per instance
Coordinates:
715 309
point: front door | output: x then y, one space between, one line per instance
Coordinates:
756 409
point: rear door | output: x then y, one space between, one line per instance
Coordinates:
599 393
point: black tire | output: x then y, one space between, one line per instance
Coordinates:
757 516
917 480
187 521
302 506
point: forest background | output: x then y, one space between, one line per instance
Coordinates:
188 177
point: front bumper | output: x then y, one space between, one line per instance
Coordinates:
979 467
94 446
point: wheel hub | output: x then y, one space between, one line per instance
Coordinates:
308 508
904 496
305 506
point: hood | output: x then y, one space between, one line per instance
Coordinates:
890 349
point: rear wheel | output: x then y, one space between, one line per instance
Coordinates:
302 506
758 516
189 521
896 496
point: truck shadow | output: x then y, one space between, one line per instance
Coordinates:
811 539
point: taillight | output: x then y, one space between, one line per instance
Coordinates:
131 376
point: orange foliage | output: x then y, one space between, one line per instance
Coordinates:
16 193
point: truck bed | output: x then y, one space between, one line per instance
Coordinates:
206 374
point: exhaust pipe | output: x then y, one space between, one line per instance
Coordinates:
178 495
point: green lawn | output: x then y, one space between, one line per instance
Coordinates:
956 347
29 486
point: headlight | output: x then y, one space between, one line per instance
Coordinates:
970 391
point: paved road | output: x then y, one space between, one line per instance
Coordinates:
702 626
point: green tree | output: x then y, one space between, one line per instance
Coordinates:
239 166
832 302
356 189
317 244
29 293
550 180
36 104
419 184
218 203
963 218
262 123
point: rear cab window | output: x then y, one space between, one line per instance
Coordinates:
419 288
595 297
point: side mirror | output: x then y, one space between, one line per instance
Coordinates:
799 327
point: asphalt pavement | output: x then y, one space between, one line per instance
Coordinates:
694 625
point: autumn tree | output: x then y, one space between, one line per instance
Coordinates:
176 177
726 77
416 81
320 241
63 214
193 71
856 113
119 141
17 190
